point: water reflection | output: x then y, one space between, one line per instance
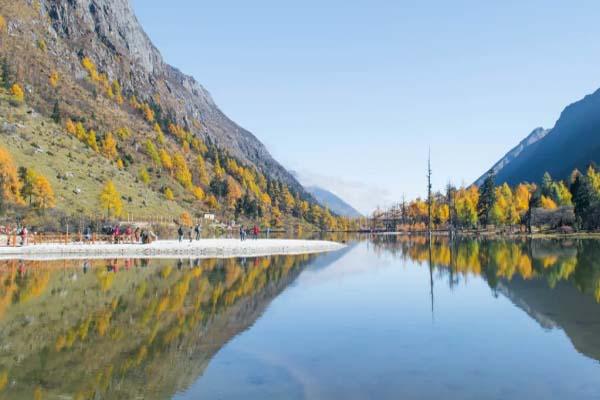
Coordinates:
574 261
556 282
125 328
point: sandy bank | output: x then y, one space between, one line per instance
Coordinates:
170 249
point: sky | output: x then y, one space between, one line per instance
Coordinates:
352 94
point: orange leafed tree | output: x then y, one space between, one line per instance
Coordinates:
9 178
43 193
186 219
53 79
17 92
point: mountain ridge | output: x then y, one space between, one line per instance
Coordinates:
573 143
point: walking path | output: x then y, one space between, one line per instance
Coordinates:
204 248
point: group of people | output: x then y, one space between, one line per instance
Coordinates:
127 234
12 232
254 232
195 232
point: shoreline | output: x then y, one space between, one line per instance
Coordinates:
204 248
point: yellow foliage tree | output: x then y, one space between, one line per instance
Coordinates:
212 202
2 25
144 176
109 146
111 200
217 169
169 194
43 193
70 127
548 203
17 92
234 192
186 219
53 79
90 67
9 178
80 131
202 173
198 193
182 172
166 160
91 140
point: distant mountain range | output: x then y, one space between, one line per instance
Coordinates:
573 142
332 201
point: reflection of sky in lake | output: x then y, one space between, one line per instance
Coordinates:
362 327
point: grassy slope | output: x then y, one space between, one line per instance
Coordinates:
63 153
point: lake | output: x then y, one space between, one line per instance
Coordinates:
387 317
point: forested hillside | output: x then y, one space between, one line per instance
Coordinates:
89 106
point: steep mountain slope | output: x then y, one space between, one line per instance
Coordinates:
333 202
572 143
108 32
87 71
536 135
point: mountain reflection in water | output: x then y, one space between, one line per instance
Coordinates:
555 281
386 317
128 328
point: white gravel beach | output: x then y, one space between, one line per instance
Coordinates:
205 248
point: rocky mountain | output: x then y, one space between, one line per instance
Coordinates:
536 135
572 143
88 104
108 32
330 200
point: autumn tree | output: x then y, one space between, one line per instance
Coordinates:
109 146
202 173
144 176
43 193
152 152
185 219
10 186
198 193
17 93
111 200
53 79
166 160
91 140
2 25
234 192
169 194
182 172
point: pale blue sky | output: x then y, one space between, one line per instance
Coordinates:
352 93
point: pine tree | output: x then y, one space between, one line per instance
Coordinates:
56 113
486 199
7 81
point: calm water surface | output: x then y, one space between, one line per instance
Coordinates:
385 318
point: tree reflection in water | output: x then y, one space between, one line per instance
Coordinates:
126 328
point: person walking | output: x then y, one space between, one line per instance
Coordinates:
180 233
242 233
198 231
190 231
136 234
24 236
